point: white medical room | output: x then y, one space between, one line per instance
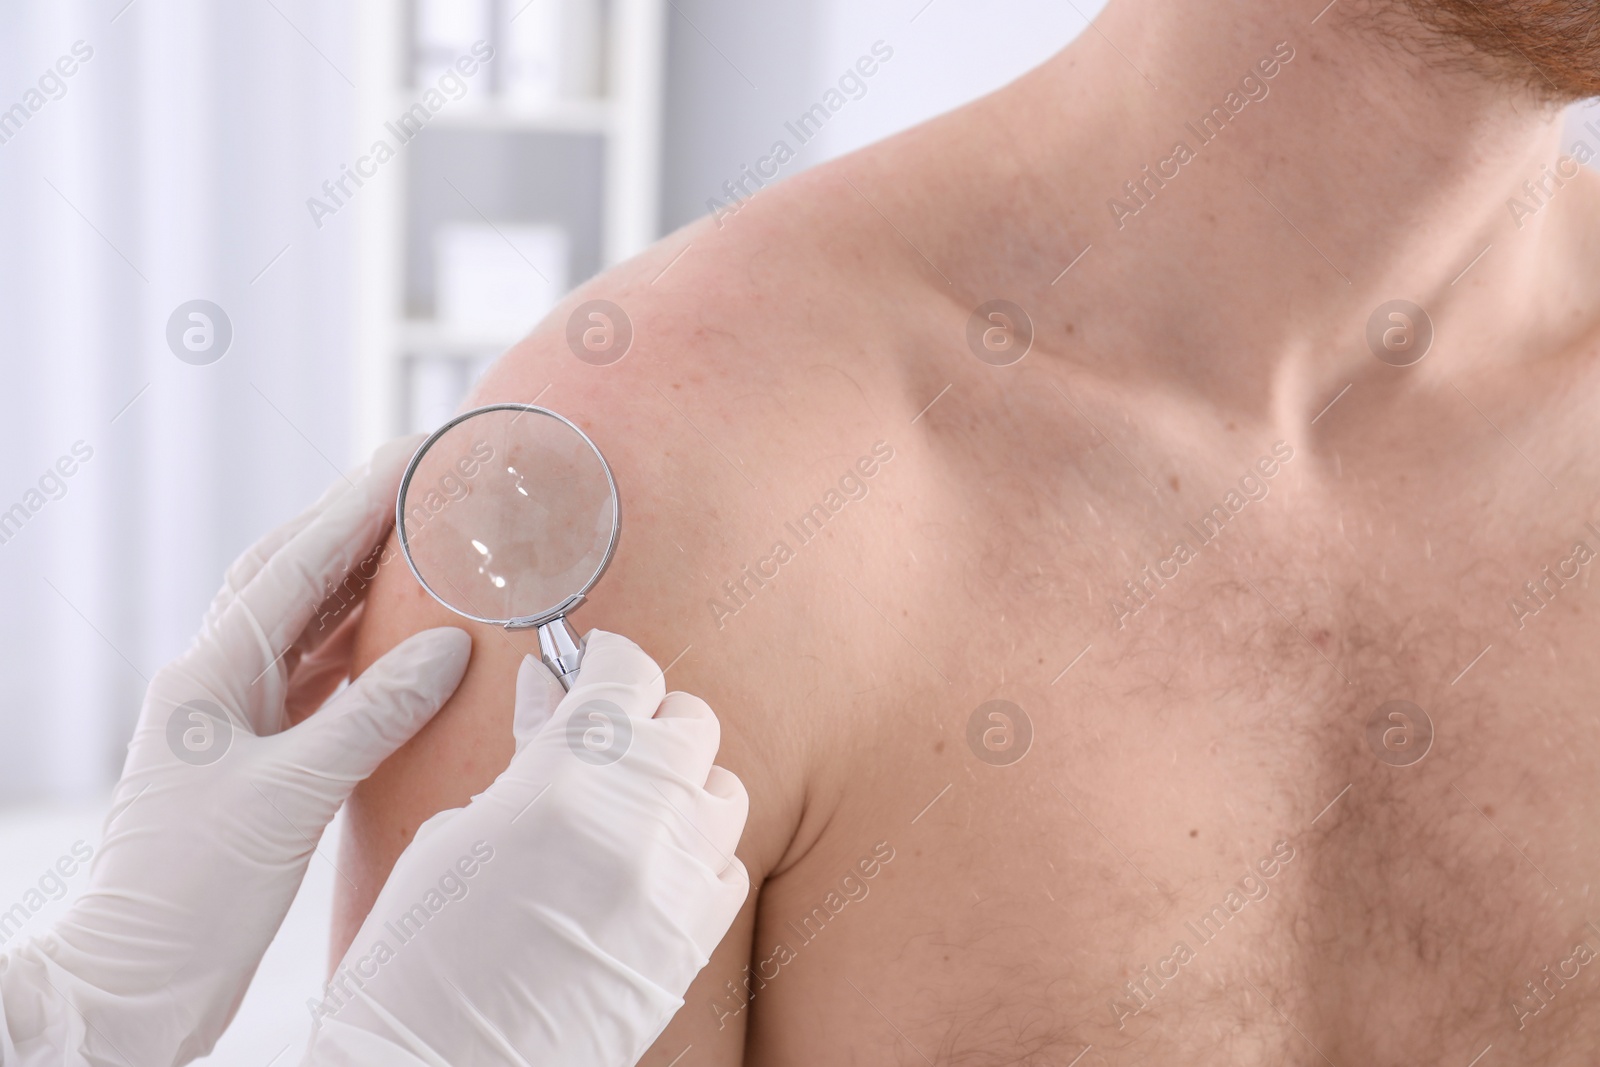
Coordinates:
245 245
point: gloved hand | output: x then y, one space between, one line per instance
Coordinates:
220 805
560 916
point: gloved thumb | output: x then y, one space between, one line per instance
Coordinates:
383 708
538 693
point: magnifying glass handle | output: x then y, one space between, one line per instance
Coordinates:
561 650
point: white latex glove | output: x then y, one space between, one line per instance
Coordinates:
560 916
214 822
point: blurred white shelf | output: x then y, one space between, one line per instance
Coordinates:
627 118
556 116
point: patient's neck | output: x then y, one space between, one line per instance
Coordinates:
1354 174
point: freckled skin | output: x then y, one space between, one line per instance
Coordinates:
1173 746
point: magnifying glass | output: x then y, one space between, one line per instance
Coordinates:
508 515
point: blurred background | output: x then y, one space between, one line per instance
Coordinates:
216 290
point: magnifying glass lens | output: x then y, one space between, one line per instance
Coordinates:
507 513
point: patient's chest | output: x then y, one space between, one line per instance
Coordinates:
1321 792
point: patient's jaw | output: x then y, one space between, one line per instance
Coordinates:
1066 688
1552 48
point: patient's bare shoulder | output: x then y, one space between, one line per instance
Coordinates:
755 380
764 394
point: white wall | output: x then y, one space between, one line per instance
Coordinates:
737 71
175 166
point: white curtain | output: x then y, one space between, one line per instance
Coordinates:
173 164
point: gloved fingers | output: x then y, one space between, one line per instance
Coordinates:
383 708
737 879
436 823
326 644
721 810
702 824
707 923
396 450
538 695
728 794
250 562
284 595
346 598
689 736
617 671
315 675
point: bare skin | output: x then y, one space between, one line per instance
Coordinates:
1219 731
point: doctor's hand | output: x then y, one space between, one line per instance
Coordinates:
222 802
560 916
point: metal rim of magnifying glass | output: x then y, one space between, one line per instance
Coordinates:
521 622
